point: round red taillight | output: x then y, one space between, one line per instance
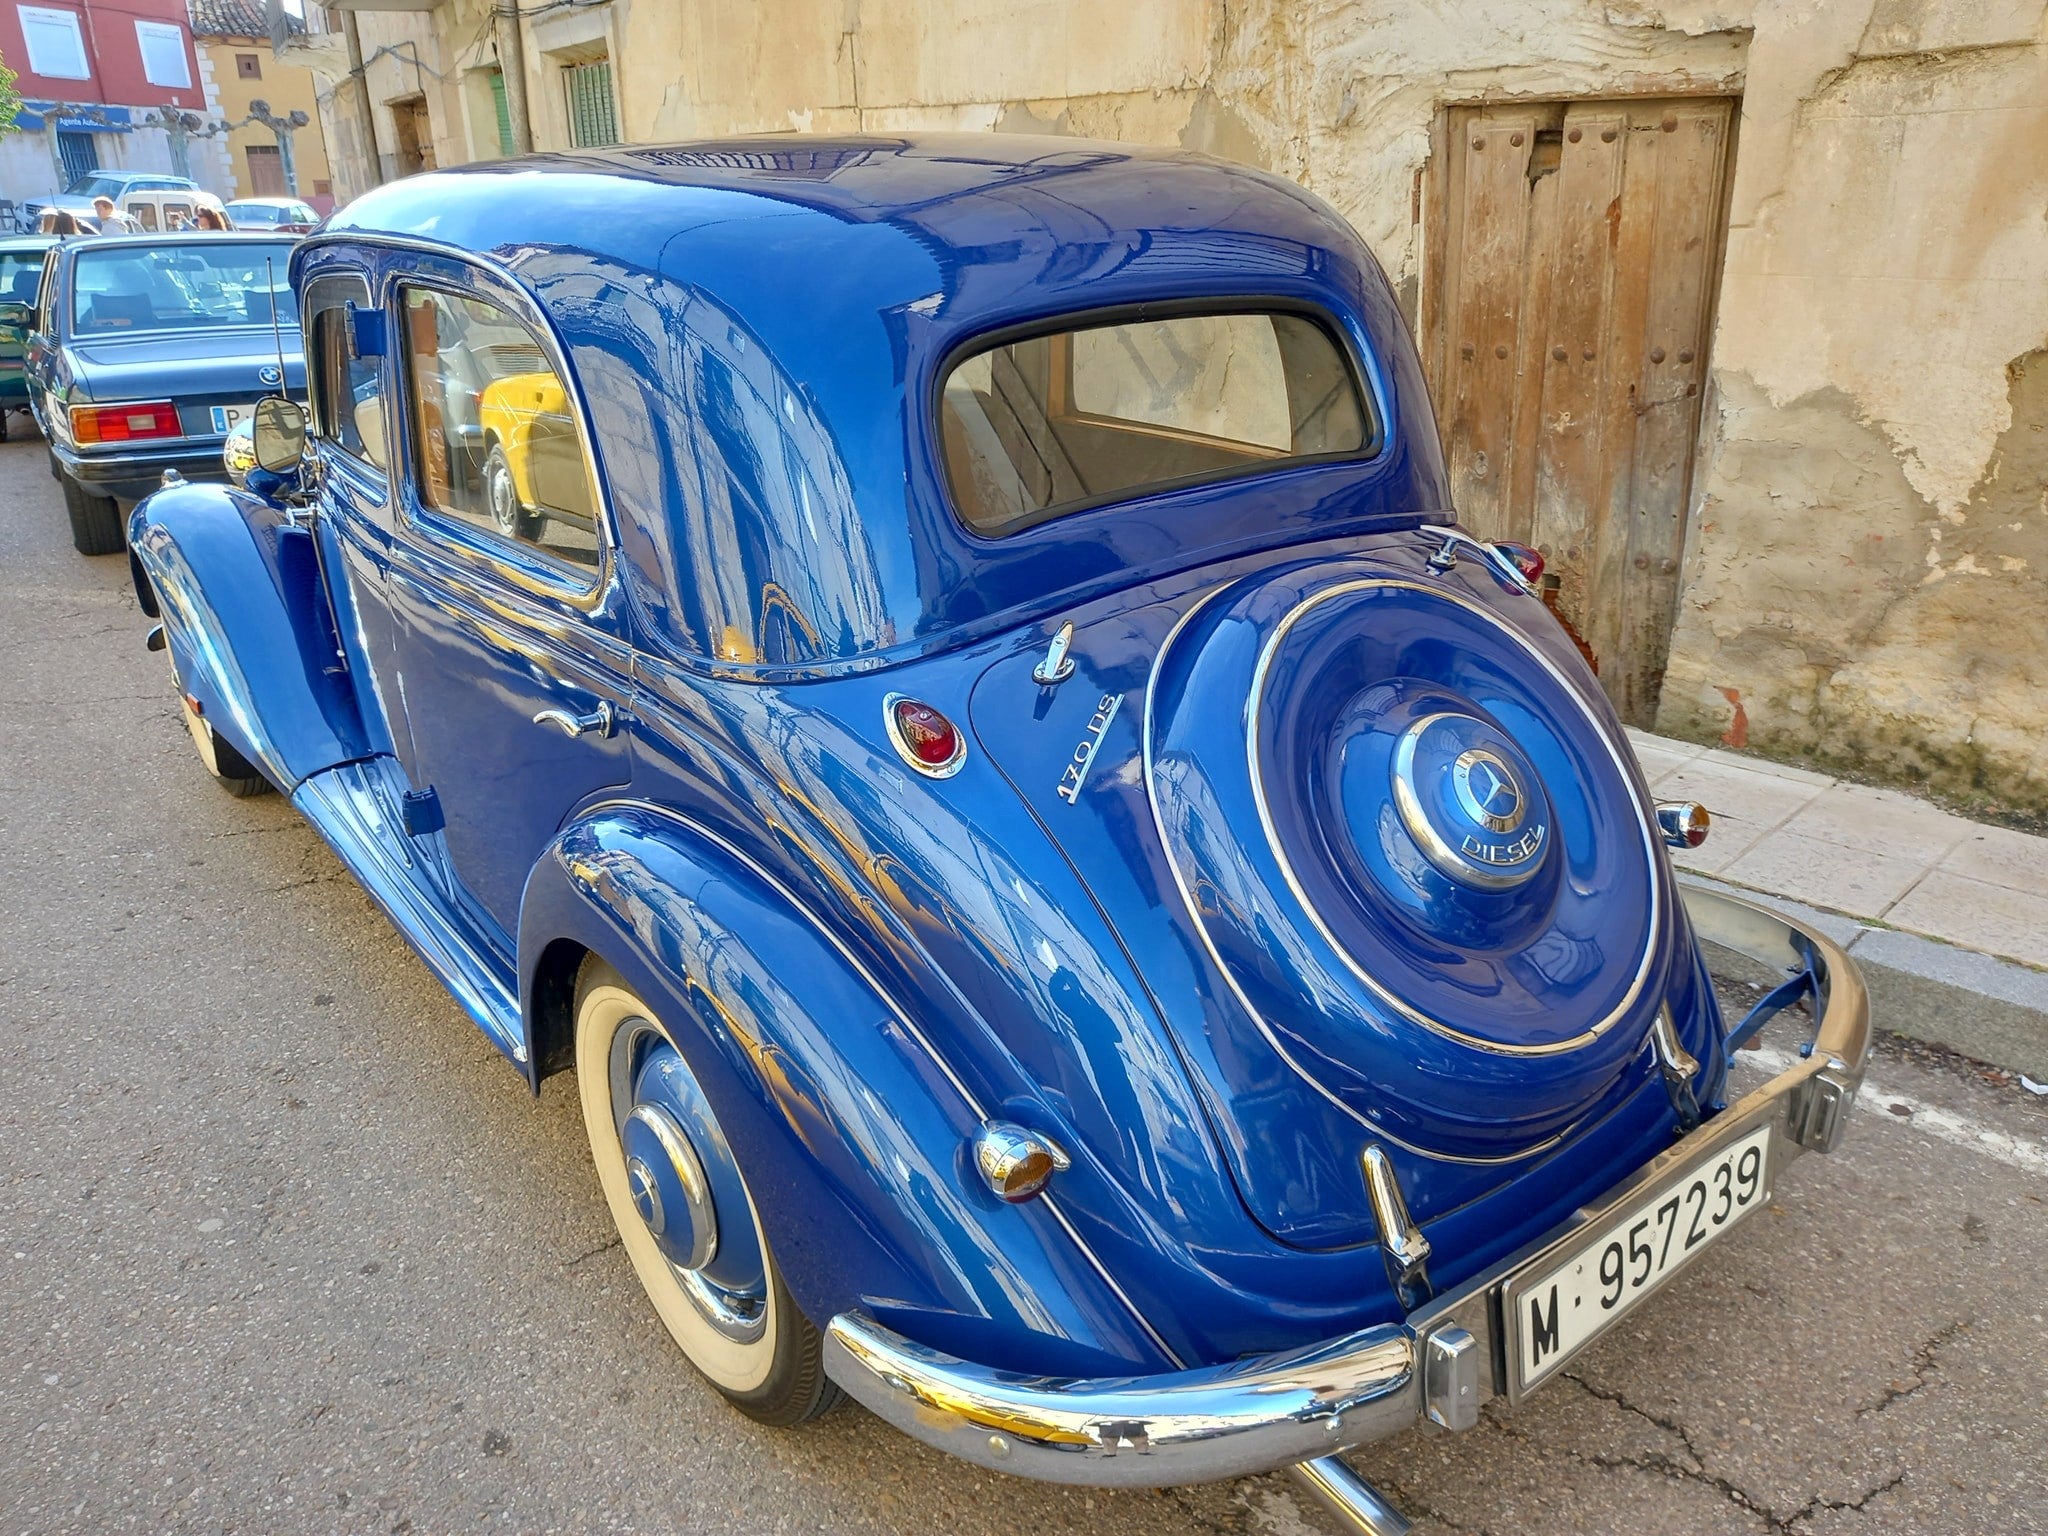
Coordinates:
926 739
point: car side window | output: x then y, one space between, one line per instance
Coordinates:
347 390
495 436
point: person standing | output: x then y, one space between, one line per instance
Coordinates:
110 219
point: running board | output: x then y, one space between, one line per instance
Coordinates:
357 808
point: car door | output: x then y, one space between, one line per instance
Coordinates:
512 640
350 439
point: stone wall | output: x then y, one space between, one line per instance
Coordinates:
1868 531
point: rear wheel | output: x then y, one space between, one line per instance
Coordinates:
95 520
684 1215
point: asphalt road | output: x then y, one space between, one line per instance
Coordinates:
286 1246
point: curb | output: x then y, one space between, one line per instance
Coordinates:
1989 1009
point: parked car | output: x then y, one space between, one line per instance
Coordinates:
1086 911
21 271
143 351
153 211
273 215
77 198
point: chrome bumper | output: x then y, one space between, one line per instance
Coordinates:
1437 1367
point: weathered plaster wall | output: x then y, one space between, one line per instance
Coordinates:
1865 587
1863 582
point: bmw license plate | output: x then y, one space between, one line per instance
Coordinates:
1555 1311
227 417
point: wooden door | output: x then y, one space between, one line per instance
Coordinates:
1572 260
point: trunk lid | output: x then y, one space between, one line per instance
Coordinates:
1368 834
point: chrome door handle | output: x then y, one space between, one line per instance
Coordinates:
601 720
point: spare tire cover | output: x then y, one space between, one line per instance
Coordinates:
1410 843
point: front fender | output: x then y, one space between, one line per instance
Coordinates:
244 609
852 1133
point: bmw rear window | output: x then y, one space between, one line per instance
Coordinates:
1059 421
202 284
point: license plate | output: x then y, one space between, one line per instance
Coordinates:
227 417
1557 1311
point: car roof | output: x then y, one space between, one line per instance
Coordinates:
29 241
268 202
155 240
789 305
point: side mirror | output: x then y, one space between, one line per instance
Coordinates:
277 433
17 317
238 453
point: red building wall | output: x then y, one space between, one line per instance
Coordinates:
112 54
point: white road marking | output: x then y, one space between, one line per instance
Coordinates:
1874 1100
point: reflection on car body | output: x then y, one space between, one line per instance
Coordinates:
939 675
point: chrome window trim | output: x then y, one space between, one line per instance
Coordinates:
449 530
585 598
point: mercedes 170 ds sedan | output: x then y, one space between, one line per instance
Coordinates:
940 677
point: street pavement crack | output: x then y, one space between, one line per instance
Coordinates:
1778 1525
1923 1369
1818 1505
604 1247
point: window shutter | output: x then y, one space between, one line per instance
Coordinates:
504 112
593 119
54 45
163 54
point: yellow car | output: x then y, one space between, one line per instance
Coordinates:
533 464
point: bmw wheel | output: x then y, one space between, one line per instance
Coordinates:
684 1215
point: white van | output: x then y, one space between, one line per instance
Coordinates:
166 212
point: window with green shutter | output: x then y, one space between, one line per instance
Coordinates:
593 120
504 112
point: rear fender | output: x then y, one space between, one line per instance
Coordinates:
244 608
852 1132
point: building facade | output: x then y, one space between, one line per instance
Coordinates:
256 92
1737 306
102 89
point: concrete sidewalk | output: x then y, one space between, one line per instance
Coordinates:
1948 918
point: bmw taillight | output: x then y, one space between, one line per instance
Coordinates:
137 422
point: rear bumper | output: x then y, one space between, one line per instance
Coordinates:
1437 1366
132 476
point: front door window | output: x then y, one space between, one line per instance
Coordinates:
498 447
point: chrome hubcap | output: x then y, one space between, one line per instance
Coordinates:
669 1186
685 1184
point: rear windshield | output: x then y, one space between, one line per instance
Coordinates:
205 284
1037 428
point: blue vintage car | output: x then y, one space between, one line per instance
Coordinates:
143 352
939 675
